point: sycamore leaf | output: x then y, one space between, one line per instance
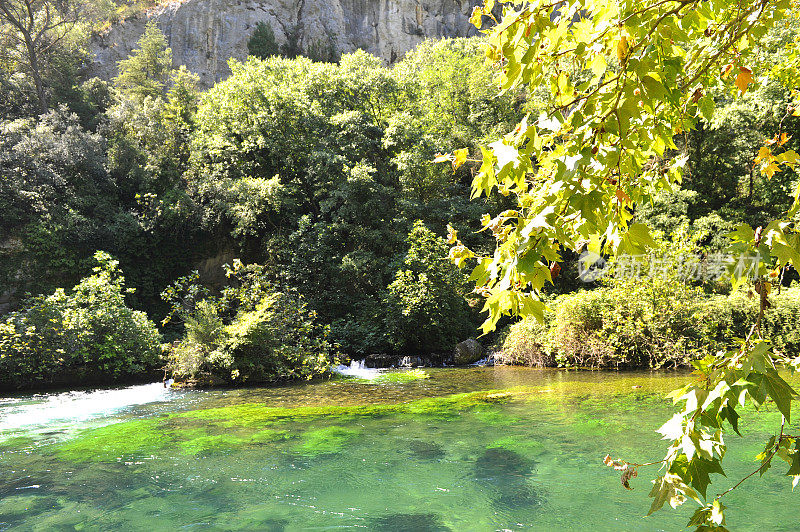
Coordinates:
785 254
717 516
638 237
763 153
726 70
452 235
459 255
548 123
476 18
598 65
670 488
533 307
743 233
780 392
744 79
622 197
460 158
622 49
699 469
766 456
539 221
505 154
794 468
627 475
790 157
732 416
770 170
672 429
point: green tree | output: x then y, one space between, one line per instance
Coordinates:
262 43
313 170
148 69
425 306
622 80
33 30
53 186
253 333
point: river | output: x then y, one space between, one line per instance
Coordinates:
466 449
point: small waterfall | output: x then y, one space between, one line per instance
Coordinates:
357 368
488 360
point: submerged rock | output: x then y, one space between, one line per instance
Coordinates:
426 450
505 473
407 522
467 352
273 525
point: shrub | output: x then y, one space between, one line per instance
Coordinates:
782 321
86 336
253 333
425 307
644 324
277 341
204 326
186 359
525 343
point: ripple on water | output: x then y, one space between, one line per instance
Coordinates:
408 522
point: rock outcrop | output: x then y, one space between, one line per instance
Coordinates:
204 34
468 352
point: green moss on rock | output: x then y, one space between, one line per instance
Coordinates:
212 444
214 430
400 377
117 441
327 440
16 443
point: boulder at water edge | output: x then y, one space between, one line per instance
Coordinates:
467 352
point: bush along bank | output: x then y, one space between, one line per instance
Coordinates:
647 324
658 318
85 336
252 333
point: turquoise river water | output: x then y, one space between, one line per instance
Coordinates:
466 449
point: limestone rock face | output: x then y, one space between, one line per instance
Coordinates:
204 34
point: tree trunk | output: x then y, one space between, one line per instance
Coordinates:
33 60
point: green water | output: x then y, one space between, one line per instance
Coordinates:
466 449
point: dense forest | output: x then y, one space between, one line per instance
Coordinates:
298 202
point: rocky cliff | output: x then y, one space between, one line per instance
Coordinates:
204 34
